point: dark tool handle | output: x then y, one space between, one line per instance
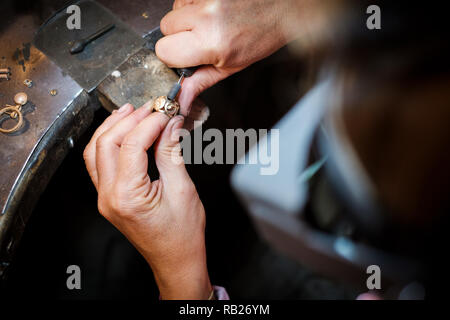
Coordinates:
79 45
174 91
186 71
155 36
100 32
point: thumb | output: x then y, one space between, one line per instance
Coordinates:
168 156
202 79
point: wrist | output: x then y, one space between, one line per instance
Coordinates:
185 284
185 278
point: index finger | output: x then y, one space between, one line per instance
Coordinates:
184 49
133 160
178 20
89 153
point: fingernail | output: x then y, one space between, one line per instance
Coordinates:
176 130
177 122
123 108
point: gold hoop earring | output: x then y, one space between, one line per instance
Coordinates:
15 112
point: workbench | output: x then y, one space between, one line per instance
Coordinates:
59 109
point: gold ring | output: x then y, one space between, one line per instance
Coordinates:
12 111
166 106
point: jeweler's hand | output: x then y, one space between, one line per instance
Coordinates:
163 219
224 36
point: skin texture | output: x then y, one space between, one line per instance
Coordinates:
163 219
223 37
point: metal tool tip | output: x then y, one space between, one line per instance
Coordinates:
181 78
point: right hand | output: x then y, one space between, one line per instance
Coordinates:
222 36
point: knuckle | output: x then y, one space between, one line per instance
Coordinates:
87 153
186 187
212 8
165 24
221 57
116 204
162 50
121 202
130 144
103 141
190 188
122 208
103 206
159 50
218 48
185 2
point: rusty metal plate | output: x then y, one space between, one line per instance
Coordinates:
141 78
101 56
43 109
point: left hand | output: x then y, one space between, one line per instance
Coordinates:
163 219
